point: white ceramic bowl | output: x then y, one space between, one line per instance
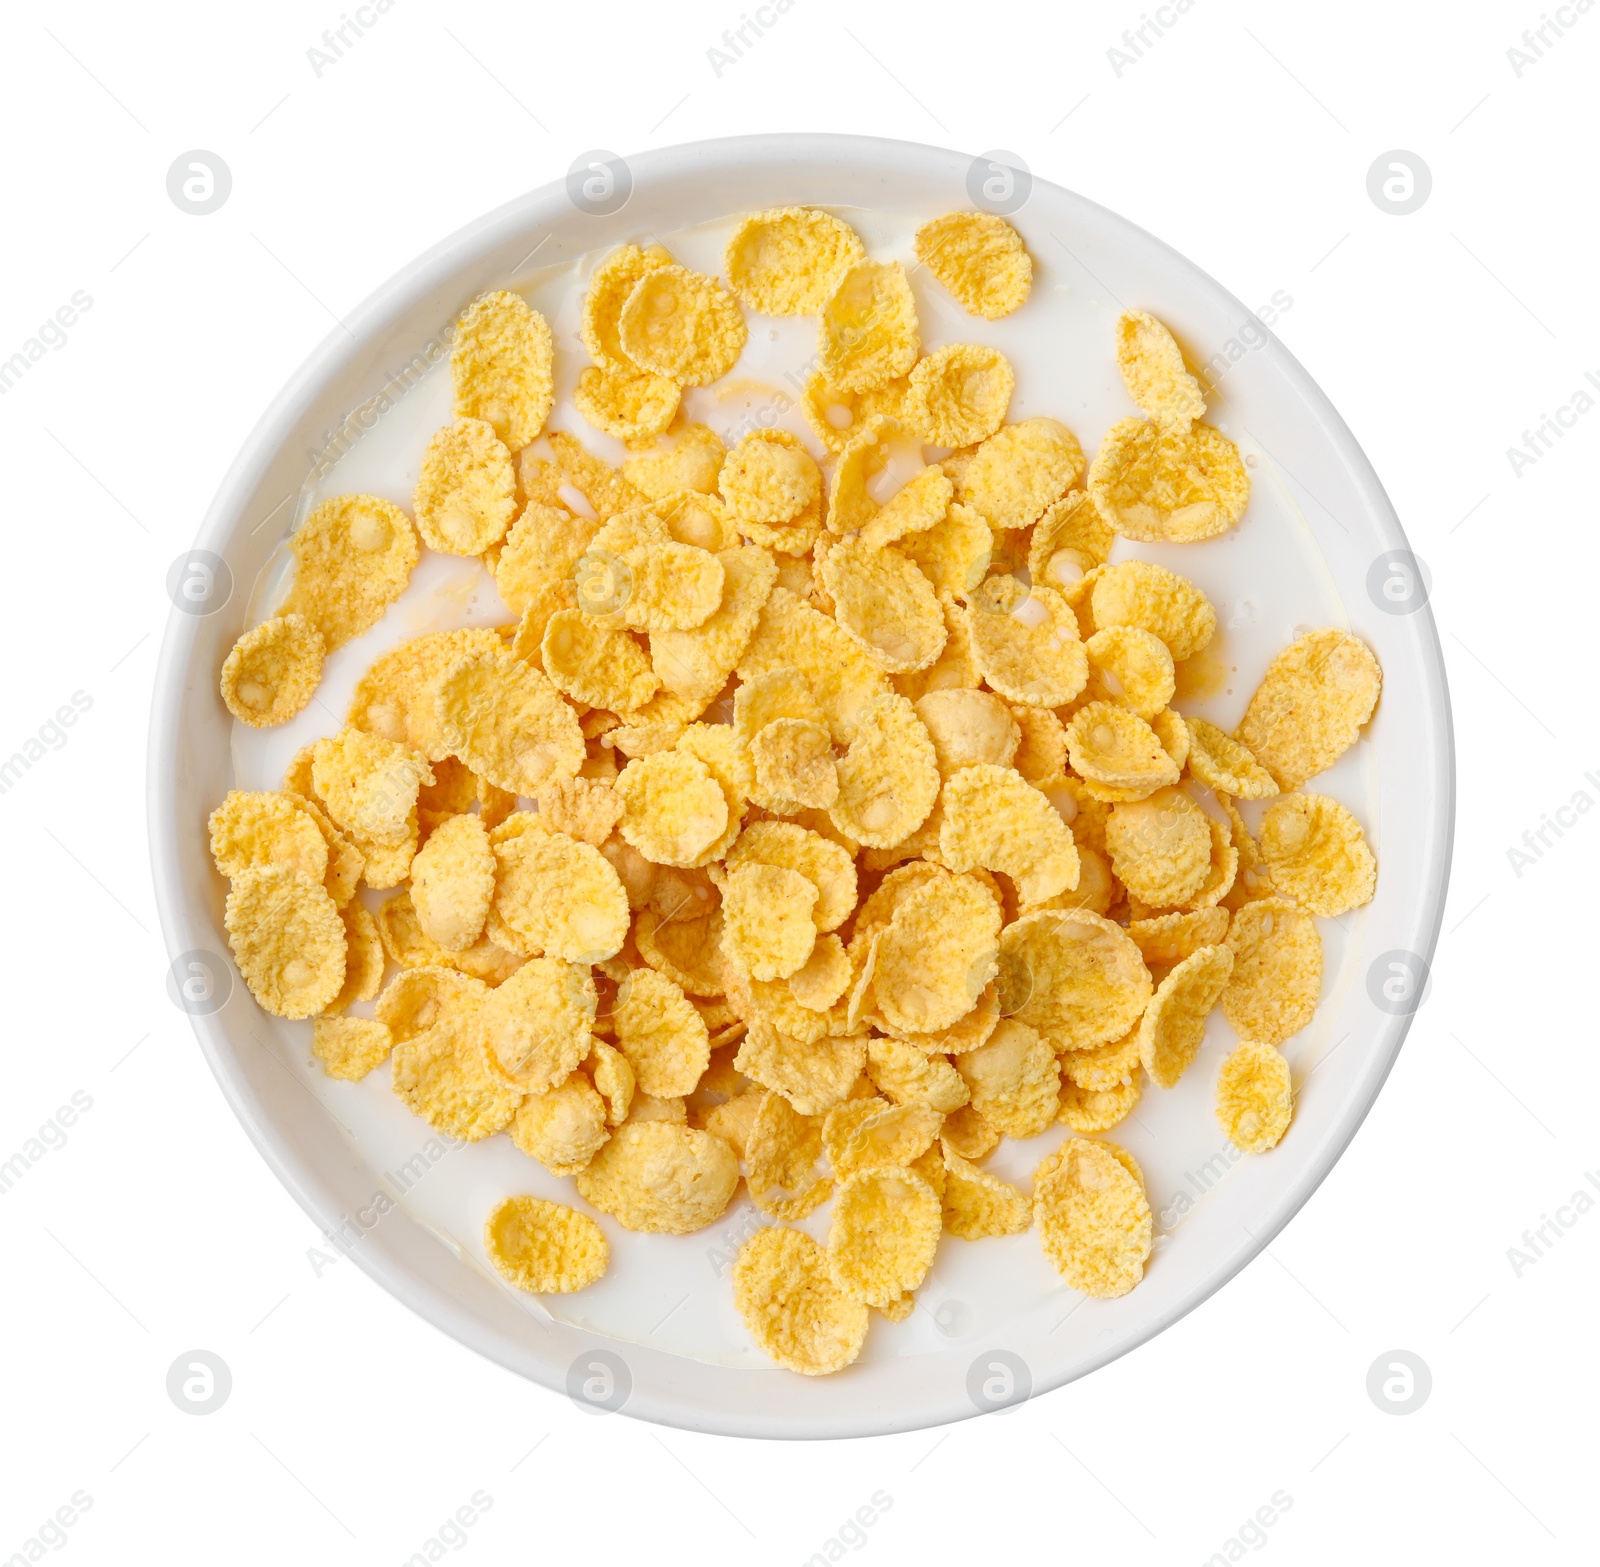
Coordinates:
1402 771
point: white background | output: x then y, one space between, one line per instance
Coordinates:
1243 137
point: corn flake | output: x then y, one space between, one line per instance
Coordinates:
1162 484
1086 1110
1167 939
563 1127
688 464
1160 847
812 1077
287 939
872 1134
1133 666
792 1307
446 1076
1153 371
673 809
452 882
1316 853
544 1247
960 393
557 896
980 258
885 1229
767 924
694 665
1025 643
867 330
1174 1024
1103 1066
908 1076
994 818
352 559
631 405
787 261
538 1022
272 671
507 722
1093 1218
1277 970
1141 593
976 1204
681 325
782 1151
954 552
250 830
661 1177
886 604
465 497
349 1047
609 287
1111 746
1224 764
661 1034
1014 1080
1255 1101
501 367
1073 975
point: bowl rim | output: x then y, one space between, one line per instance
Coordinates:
402 291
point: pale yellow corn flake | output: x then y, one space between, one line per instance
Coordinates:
867 328
1161 484
1255 1100
418 999
1316 853
558 897
507 721
877 909
1225 764
1277 970
1020 471
369 785
1311 705
1130 665
794 766
402 937
1068 541
908 1076
661 1034
646 1107
681 325
287 939
794 1311
1041 757
673 587
1160 847
1025 643
502 367
980 258
272 670
701 521
563 1127
1086 1110
452 882
994 818
770 478
630 405
967 1132
880 448
582 808
1167 939
812 1077
885 1230
610 284
886 604
768 929
1073 975
824 977
977 1205
539 1022
960 393
781 1154
661 1177
551 480
1103 1067
690 462
1013 1079
544 1247
466 495
364 957
395 698
352 559
788 260
445 1075
872 1134
969 729
1154 372
251 829
889 776
613 1080
596 665
921 502
673 808
1221 870
954 552
1141 593
966 1033
541 553
1111 746
385 865
1174 1025
1093 1218
695 665
687 951
349 1047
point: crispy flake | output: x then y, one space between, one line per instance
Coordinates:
980 258
885 1229
994 818
1277 970
1073 975
507 722
1093 1218
1162 484
1153 371
792 1307
1254 1099
501 367
661 1177
1316 853
787 261
272 671
867 330
544 1247
352 559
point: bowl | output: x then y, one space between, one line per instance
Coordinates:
1320 545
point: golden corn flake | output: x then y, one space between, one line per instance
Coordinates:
646 1107
965 1034
688 464
1041 758
1133 666
909 1076
917 505
885 1230
1103 1066
1025 643
1020 471
1160 847
1277 970
395 698
867 331
632 405
402 936
1073 975
980 258
446 1076
352 559
1087 1110
787 261
501 367
1316 853
272 671
888 778
541 553
794 766
953 553
969 729
960 393
465 497
886 604
452 882
782 1150
994 818
369 785
813 1077
609 287
596 665
937 955
507 722
580 807
1167 939
837 417
967 1132
872 1134
1014 1080
544 1247
349 1047
1153 371
564 1127
250 830
1222 763
559 897
681 325
661 1034
1310 705
1068 541
1141 593
661 1177
364 957
767 925
878 908
769 478
418 999
674 587
977 1204
1093 1218
538 1022
792 1307
287 939
824 978
673 809
1168 485
1110 745
1255 1101
695 664
613 1080
688 951
1174 1025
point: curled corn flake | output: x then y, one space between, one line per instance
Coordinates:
960 393
402 936
369 785
969 729
661 1034
1042 756
769 478
910 1077
695 664
867 330
646 1107
812 1077
538 1022
880 452
1097 1109
792 1307
1020 471
465 497
687 951
1311 704
977 1204
761 700
1141 593
1103 1066
1167 939
1160 847
994 818
966 1033
872 1134
1073 975
1068 541
888 778
969 1134
980 258
541 554
563 1127
613 1080
1131 665
937 955
632 405
1111 745
1096 885
954 552
609 287
501 367
1093 1218
1160 484
878 908
352 559
349 1047
837 416
1255 1102
1014 1080
559 897
772 1002
1222 763
452 882
596 665
1025 643
1174 1024
673 809
675 587
767 925
787 261
507 722
544 1247
688 464
446 1076
252 829
781 1152
886 604
1277 970
794 766
681 325
923 500
661 1177
272 671
885 1230
1153 371
418 999
582 808
1222 869
824 977
1316 853
395 698
287 939
363 959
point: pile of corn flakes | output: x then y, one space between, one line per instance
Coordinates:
813 827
